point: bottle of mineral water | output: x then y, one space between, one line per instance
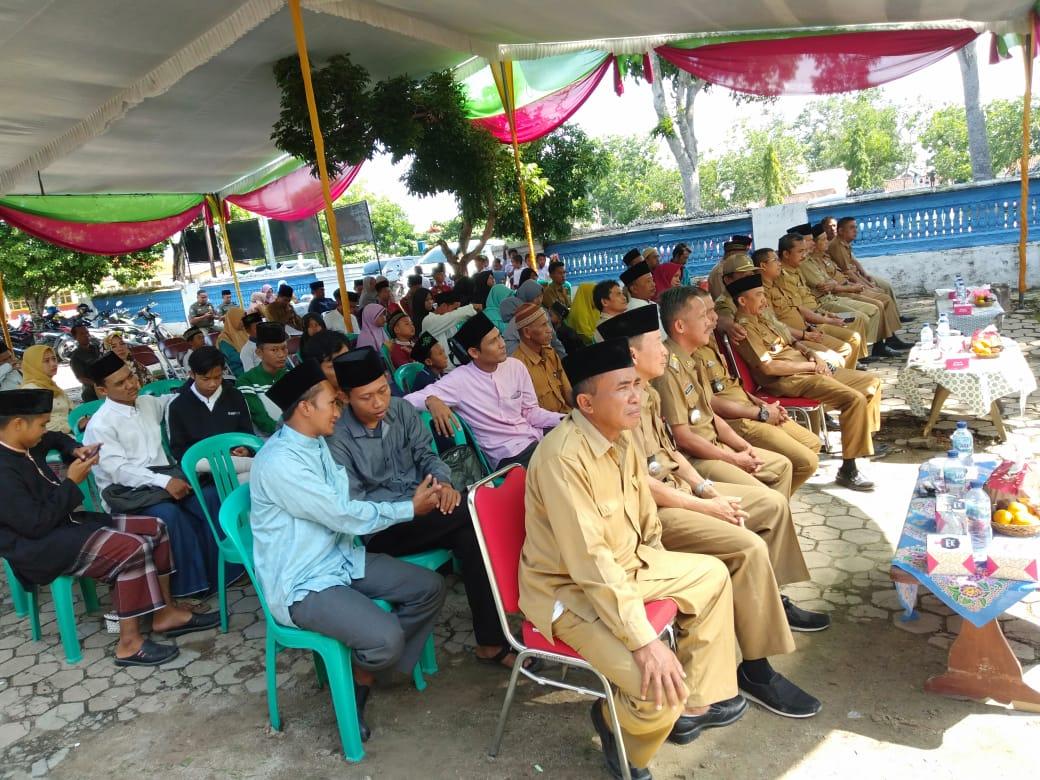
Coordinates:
927 337
962 441
942 328
980 514
955 474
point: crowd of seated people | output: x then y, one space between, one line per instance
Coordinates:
348 480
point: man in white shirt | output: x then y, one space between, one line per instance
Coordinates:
445 319
334 319
136 476
540 261
248 355
10 375
639 282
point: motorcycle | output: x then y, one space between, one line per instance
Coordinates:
152 324
118 319
56 334
23 336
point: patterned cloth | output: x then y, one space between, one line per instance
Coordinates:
977 386
967 324
132 553
974 597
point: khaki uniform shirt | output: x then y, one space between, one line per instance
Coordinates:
818 269
683 400
555 293
841 253
786 294
713 371
550 382
276 311
716 286
655 442
592 532
763 344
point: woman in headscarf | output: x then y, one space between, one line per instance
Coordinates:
269 294
666 276
584 316
114 343
233 338
463 290
373 318
368 291
39 367
421 305
494 300
527 274
530 291
482 284
257 301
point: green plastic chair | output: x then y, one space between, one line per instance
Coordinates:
332 659
77 414
216 450
162 387
27 600
406 374
463 436
388 364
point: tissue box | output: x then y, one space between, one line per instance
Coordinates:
1014 559
949 554
962 309
957 363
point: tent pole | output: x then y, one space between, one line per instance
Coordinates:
503 73
1023 216
319 149
3 316
217 206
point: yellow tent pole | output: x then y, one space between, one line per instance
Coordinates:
319 149
216 206
503 73
1023 215
3 315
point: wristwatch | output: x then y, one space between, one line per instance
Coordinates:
763 414
699 490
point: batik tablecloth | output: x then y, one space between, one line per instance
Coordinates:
980 316
975 597
977 386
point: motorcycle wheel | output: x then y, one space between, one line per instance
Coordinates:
64 351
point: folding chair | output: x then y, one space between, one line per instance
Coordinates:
171 351
498 519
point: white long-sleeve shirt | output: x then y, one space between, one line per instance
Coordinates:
248 356
443 326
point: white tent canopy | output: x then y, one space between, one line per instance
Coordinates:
156 96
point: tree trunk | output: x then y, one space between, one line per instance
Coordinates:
978 143
180 259
681 140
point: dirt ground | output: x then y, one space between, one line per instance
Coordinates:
876 722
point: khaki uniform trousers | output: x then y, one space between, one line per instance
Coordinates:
758 613
852 344
868 316
776 471
886 287
705 646
855 394
798 445
890 323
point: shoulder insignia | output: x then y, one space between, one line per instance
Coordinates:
673 363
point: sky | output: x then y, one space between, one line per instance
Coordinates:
607 114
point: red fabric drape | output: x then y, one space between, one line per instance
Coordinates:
295 196
543 116
101 238
819 64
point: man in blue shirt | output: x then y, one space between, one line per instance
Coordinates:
314 571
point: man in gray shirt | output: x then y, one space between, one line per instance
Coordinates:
386 451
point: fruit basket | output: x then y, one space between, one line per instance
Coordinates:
1016 519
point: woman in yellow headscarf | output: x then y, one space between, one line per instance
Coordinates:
233 338
584 316
39 367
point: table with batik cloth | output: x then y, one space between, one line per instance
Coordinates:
981 663
977 387
980 316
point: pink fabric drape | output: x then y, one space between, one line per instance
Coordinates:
818 64
543 116
295 196
101 238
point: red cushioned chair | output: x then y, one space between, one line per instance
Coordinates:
498 519
802 409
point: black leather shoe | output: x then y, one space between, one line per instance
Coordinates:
361 693
904 319
832 424
721 713
854 481
884 351
897 343
803 620
606 738
779 695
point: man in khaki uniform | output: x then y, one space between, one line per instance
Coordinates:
593 556
540 359
840 251
789 370
732 251
555 291
766 426
714 448
795 306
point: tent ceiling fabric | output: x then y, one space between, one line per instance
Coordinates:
158 96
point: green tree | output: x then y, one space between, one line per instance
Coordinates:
635 184
394 233
882 151
776 182
36 270
760 166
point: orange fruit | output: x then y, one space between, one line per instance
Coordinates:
1017 508
1002 517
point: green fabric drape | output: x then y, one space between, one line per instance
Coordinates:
103 208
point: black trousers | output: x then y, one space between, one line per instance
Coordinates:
455 532
522 458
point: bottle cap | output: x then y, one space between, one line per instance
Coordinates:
962 423
952 454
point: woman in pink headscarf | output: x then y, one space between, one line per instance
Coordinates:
268 292
666 276
373 318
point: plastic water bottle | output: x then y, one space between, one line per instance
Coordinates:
955 474
927 337
963 442
980 514
961 288
942 328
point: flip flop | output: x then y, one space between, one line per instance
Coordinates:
150 654
203 622
530 664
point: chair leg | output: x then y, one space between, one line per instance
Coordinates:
32 600
319 669
418 678
64 611
89 591
428 661
615 727
341 685
222 591
18 597
270 661
500 729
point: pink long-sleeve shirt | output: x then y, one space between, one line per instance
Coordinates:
500 407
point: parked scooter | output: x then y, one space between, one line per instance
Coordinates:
56 332
23 336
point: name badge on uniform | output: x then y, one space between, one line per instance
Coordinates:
653 467
695 415
688 389
717 385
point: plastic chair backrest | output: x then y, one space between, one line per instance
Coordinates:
405 375
293 344
388 364
463 436
162 387
81 411
498 518
737 362
144 355
234 521
216 450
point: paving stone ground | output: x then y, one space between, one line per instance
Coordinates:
48 706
